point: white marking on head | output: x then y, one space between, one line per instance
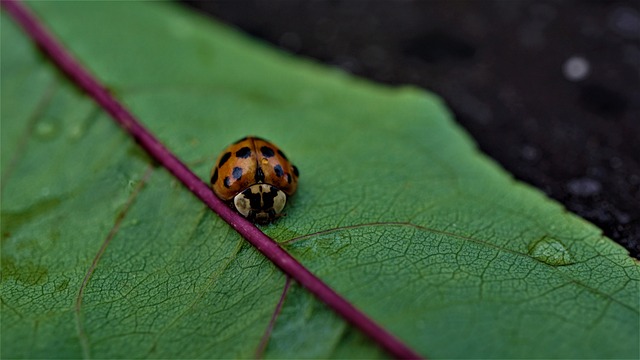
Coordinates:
260 202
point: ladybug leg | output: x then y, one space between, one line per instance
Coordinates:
272 213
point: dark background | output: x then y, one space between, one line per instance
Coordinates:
549 89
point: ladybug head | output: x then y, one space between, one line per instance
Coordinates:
260 203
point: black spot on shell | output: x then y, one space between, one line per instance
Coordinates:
237 173
224 159
259 175
226 182
267 151
289 178
243 153
214 177
278 170
282 154
295 171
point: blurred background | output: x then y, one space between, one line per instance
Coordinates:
549 89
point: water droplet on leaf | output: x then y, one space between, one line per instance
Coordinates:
550 251
45 130
76 132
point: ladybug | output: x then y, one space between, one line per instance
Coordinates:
257 176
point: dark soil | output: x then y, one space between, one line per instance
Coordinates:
549 89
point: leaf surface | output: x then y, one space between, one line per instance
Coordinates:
396 210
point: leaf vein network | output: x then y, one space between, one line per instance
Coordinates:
460 237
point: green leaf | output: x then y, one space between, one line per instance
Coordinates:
396 210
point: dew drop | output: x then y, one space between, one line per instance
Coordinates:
45 130
550 251
76 132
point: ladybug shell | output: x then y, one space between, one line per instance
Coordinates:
250 161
